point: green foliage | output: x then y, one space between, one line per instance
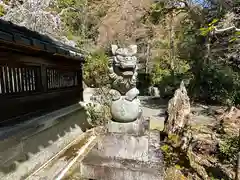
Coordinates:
229 149
2 10
96 69
213 178
157 12
169 155
173 157
67 3
211 26
6 1
98 115
158 73
165 79
174 139
78 21
219 83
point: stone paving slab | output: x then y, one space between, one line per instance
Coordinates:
124 146
118 169
156 123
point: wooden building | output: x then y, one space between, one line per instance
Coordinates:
37 74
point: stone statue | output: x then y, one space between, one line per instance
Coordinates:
126 108
127 141
123 68
125 105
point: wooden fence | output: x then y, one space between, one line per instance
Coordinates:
35 80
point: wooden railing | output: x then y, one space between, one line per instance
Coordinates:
33 84
17 80
37 74
61 79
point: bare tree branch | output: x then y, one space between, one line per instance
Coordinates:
226 29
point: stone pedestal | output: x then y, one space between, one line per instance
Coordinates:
127 152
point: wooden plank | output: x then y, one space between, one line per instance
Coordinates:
20 79
23 77
13 75
34 78
30 79
9 69
49 78
52 79
5 79
27 104
1 81
57 78
16 79
44 78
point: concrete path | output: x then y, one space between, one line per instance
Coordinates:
154 110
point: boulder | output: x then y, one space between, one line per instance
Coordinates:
178 111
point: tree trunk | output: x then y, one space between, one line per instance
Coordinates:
238 168
238 160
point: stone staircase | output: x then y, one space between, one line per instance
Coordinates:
125 155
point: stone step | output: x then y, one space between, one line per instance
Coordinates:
123 146
95 167
135 128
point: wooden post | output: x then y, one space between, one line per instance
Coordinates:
238 167
80 82
44 78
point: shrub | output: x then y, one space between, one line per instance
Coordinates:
98 112
96 69
219 84
229 149
2 10
98 115
166 81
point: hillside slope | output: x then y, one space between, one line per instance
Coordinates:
92 24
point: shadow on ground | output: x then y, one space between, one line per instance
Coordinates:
19 149
154 102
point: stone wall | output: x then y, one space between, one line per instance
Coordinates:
26 147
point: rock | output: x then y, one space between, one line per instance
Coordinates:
196 162
231 121
178 111
174 174
153 91
207 147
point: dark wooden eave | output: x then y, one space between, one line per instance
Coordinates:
21 39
